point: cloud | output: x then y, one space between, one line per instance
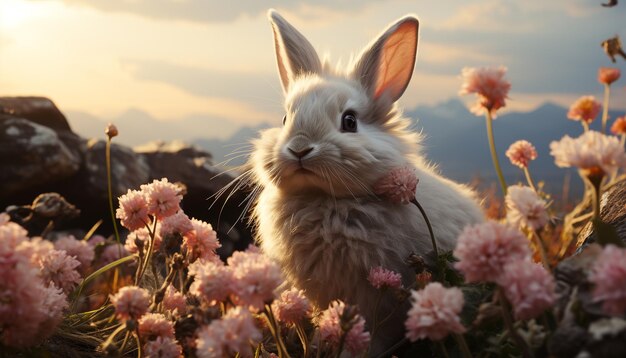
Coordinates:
259 90
213 10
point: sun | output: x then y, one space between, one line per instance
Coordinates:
14 13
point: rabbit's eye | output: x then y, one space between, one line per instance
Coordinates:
284 119
348 121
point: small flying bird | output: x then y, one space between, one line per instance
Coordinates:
611 3
613 47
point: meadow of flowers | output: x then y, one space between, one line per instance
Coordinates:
158 288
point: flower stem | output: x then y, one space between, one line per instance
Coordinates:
508 322
543 250
430 228
529 179
442 349
494 155
139 352
376 309
303 339
110 191
275 330
605 108
460 340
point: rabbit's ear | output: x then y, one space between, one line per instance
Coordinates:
294 53
386 66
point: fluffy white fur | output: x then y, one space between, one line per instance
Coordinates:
317 216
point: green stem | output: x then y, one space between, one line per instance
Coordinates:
442 349
275 330
529 179
543 250
494 155
110 192
303 339
508 322
430 228
376 309
460 340
605 108
139 352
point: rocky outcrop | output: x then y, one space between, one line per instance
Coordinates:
31 155
39 153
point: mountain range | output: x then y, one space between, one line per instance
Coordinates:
454 139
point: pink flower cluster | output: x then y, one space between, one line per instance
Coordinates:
524 208
130 302
159 199
292 306
585 109
153 325
357 339
383 278
398 185
484 249
608 276
79 249
201 241
619 126
250 279
30 308
490 86
494 252
608 75
521 153
234 333
435 312
529 287
592 152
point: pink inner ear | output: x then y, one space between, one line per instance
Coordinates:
396 61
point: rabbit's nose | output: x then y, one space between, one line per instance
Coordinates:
301 153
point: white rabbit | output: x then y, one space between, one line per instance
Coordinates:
315 212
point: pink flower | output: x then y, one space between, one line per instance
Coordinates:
593 153
36 248
174 301
133 210
234 332
490 86
525 208
434 313
483 250
130 302
213 281
585 109
608 275
398 185
619 126
59 268
80 249
152 325
608 75
178 223
112 253
202 241
292 306
382 278
330 326
163 198
256 278
143 236
163 347
96 240
29 309
521 153
529 287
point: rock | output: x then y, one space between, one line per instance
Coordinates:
32 155
128 169
612 211
180 162
39 110
40 154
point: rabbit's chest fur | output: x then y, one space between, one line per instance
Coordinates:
328 245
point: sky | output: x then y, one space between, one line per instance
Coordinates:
214 59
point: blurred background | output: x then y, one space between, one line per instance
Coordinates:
203 71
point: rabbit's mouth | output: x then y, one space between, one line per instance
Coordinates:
303 171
